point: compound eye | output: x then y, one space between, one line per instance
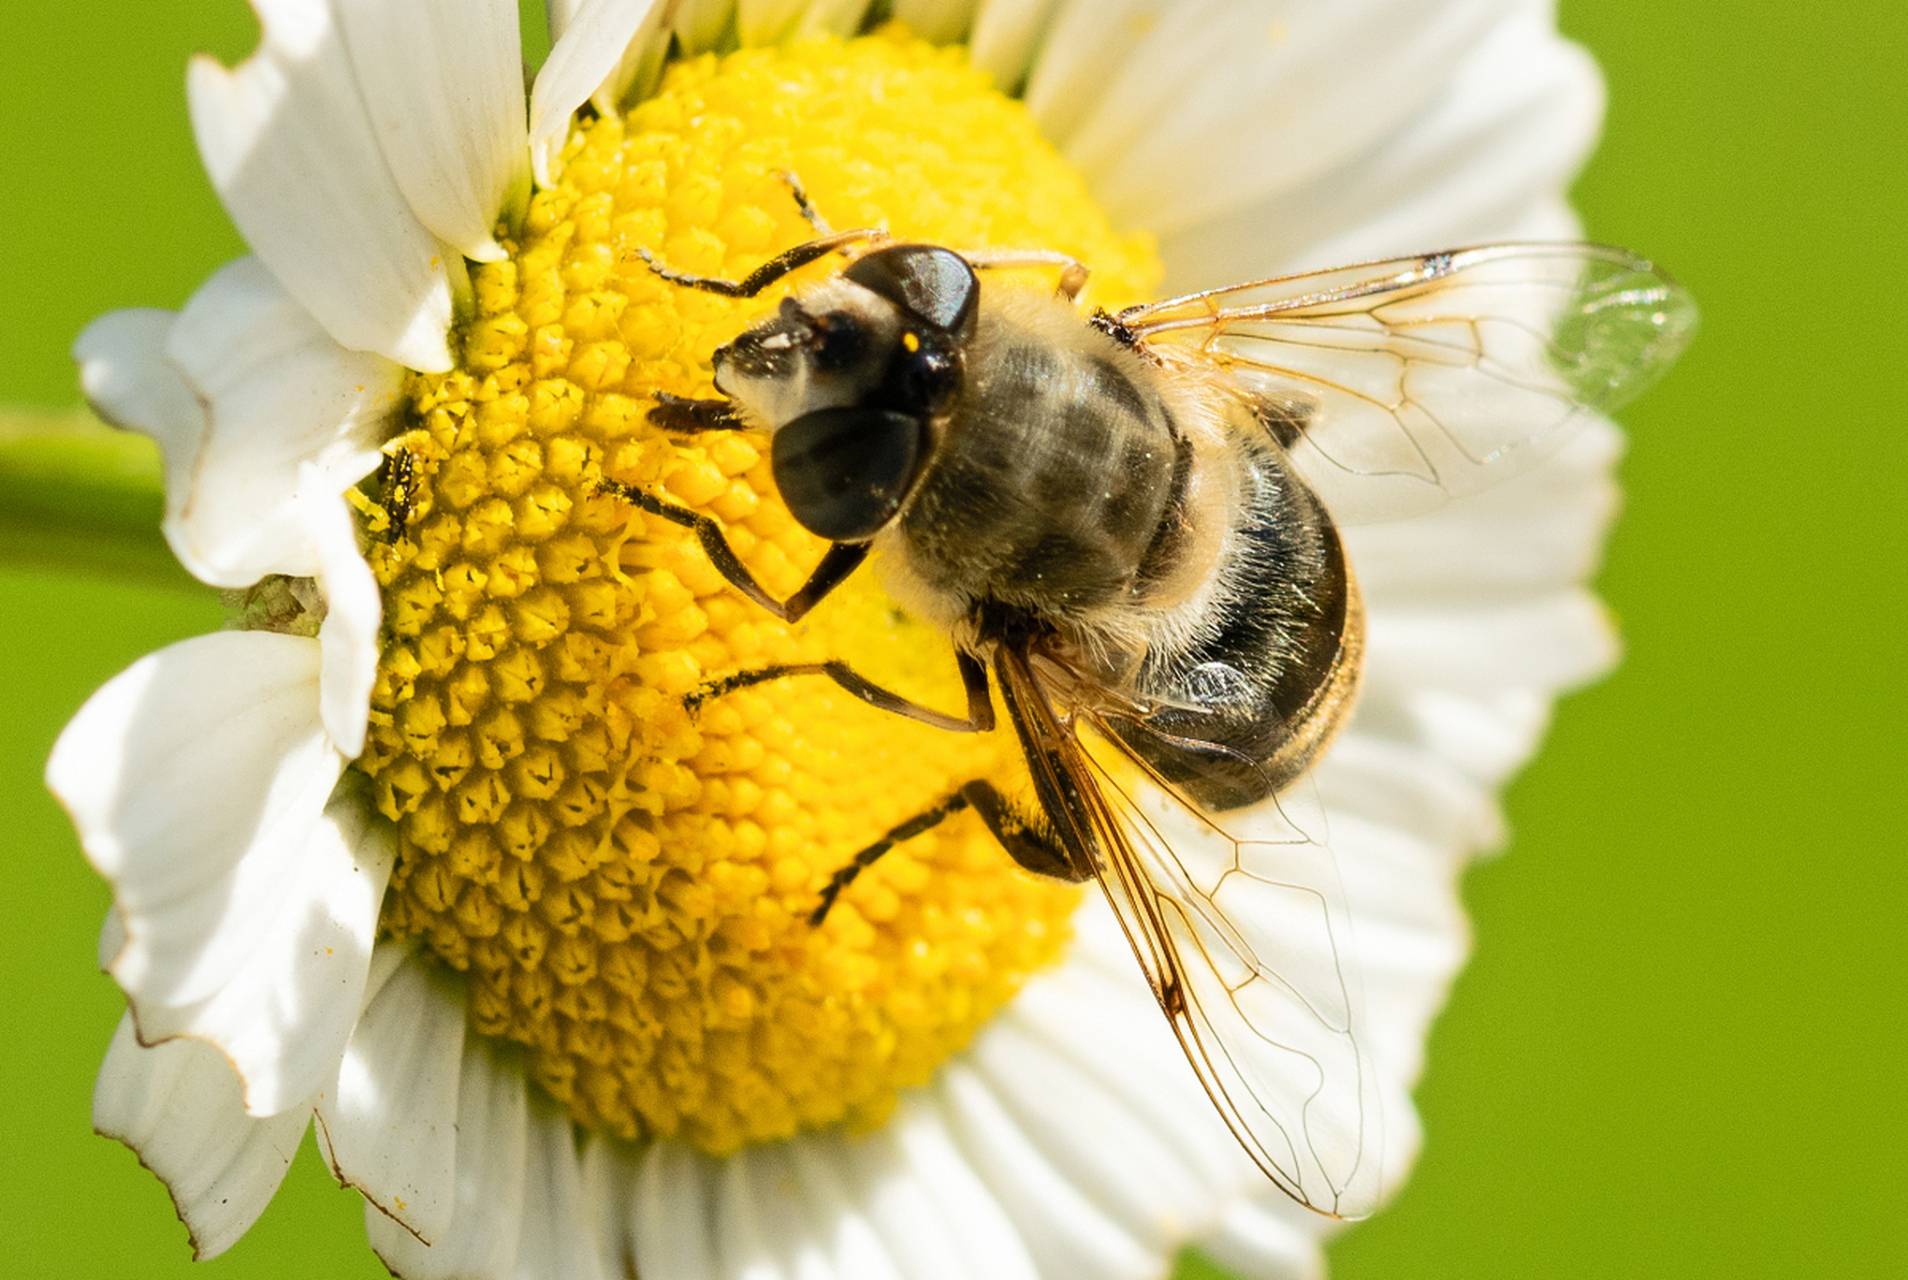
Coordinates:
844 472
934 285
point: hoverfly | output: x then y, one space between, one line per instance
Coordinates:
1125 523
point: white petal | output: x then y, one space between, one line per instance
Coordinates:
1098 1143
112 939
1538 532
558 15
744 1241
1514 122
674 1215
492 1152
558 1241
1411 789
776 1217
936 21
1006 33
609 1186
1411 938
127 380
699 25
1174 117
750 1232
348 637
188 776
291 151
284 1014
1081 1008
597 56
984 1241
281 394
1254 1242
840 18
1488 736
443 82
389 1123
874 1179
821 1167
1520 117
177 1105
1551 642
1065 1232
766 22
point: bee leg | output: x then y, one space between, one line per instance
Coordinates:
1028 838
1030 842
980 708
684 417
1073 272
769 272
840 560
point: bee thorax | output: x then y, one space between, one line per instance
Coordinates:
1052 475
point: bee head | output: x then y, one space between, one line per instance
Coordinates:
850 378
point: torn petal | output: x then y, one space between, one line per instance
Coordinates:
492 1152
188 776
177 1105
285 1011
389 1124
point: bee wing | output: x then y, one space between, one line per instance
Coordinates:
1243 933
1411 380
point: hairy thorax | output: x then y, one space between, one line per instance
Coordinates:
1061 488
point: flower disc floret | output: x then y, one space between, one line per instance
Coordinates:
627 885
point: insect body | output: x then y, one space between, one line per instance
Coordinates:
1035 483
1121 522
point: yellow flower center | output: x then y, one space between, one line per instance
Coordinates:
628 885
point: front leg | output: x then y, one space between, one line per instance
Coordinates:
769 272
682 416
980 707
840 560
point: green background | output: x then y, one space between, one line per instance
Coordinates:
1678 1051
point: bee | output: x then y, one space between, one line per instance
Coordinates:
1126 524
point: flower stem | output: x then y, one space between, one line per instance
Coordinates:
77 496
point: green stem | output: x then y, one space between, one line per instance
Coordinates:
77 496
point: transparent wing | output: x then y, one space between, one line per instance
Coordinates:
1416 379
1241 927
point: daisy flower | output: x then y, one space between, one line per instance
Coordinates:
425 846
